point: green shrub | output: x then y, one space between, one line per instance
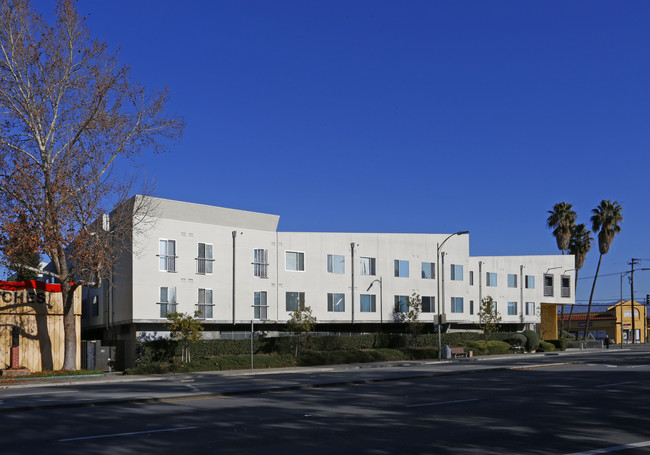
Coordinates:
496 347
532 340
545 346
512 338
312 358
154 351
343 343
242 362
225 362
148 368
560 345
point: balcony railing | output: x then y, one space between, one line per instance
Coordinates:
205 310
166 308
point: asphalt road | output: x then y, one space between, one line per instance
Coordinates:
578 402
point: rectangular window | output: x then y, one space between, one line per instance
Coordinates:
260 262
367 266
456 304
295 261
471 307
335 263
456 272
530 282
204 307
401 268
204 259
428 304
628 314
471 278
167 255
565 290
368 303
512 280
428 270
259 306
401 304
336 303
530 308
167 301
512 308
295 300
490 279
548 285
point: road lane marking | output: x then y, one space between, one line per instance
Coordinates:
633 445
438 403
175 400
125 434
534 366
615 383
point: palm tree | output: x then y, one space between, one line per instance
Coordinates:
561 219
579 246
605 220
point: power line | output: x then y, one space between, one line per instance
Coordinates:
609 274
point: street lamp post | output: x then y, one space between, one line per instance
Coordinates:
381 299
438 248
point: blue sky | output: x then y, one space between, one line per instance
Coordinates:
418 116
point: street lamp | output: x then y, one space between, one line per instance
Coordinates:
438 248
381 299
252 339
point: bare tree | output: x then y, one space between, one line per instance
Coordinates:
69 112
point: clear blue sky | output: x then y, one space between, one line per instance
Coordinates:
418 116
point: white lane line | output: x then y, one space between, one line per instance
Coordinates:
125 434
438 403
634 445
615 383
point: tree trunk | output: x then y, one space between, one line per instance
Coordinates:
593 286
69 327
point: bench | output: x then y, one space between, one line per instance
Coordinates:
455 352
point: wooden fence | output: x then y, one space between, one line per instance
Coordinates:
36 310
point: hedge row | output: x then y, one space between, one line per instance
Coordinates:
164 350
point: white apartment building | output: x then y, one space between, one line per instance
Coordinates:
233 266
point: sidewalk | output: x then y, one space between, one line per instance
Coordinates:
119 377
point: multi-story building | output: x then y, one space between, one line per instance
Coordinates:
234 267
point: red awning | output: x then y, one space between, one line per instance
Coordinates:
33 284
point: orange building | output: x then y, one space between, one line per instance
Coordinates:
616 322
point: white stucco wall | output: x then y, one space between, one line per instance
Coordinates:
140 278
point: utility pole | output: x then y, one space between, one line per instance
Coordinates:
633 262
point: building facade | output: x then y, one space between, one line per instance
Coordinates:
234 266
